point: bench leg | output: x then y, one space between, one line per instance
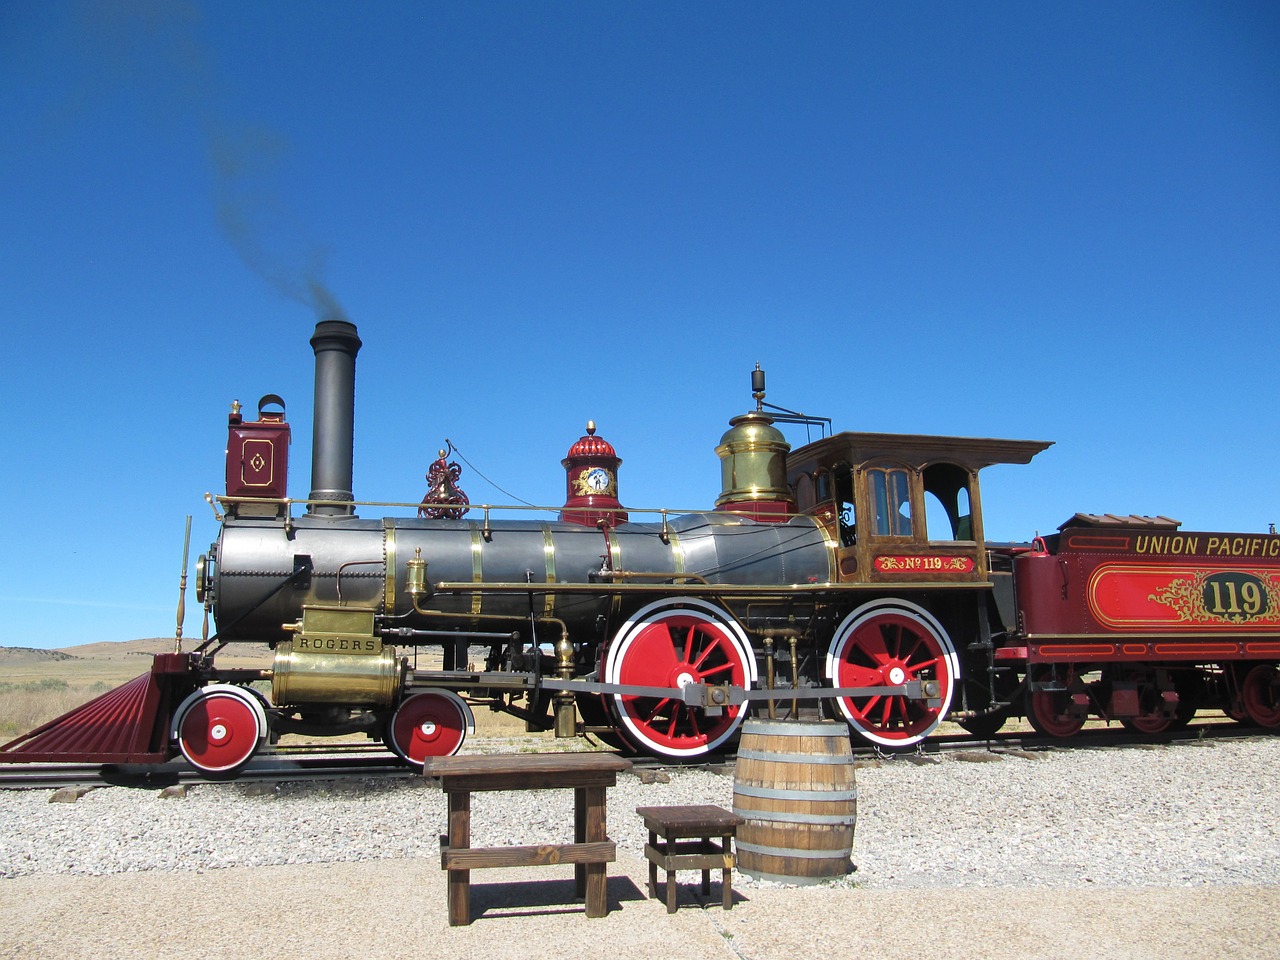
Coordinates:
671 891
579 836
653 867
459 838
596 829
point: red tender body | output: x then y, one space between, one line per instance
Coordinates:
1129 591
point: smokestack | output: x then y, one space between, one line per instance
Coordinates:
333 433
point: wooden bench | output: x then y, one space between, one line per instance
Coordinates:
587 774
686 844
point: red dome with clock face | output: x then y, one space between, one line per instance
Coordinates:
591 477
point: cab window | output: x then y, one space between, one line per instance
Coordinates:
891 501
842 474
948 504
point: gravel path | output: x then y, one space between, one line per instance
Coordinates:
1167 851
1168 816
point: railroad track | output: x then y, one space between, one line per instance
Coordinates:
340 761
293 763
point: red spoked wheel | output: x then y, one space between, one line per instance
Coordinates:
886 644
672 644
219 727
1260 693
1048 711
434 723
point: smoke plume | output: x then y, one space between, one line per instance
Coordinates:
153 50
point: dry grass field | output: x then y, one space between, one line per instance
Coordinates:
39 685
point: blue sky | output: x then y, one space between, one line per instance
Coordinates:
1043 221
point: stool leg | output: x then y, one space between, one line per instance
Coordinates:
671 891
726 881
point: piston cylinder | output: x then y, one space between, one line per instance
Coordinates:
335 658
368 680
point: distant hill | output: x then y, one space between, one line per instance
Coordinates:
112 649
32 655
129 655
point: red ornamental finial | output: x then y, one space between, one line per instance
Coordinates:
445 500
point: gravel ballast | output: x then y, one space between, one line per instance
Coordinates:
1190 827
1202 813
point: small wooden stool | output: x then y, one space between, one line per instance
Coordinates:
677 826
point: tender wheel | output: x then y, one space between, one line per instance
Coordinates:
887 643
1151 720
988 724
672 644
1147 723
1261 695
219 727
434 723
1047 710
1190 687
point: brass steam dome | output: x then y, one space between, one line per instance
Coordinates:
753 463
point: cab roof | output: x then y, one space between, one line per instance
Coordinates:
916 450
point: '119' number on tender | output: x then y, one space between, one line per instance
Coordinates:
1236 596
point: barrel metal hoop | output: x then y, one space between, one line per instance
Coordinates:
792 728
793 852
768 793
805 758
781 878
771 816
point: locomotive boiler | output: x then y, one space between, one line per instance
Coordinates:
849 577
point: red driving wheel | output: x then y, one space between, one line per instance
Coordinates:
671 644
887 644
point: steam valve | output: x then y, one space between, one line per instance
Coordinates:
416 583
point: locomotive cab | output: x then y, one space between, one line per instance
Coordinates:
901 507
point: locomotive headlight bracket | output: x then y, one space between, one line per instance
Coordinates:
204 585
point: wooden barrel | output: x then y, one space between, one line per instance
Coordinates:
794 783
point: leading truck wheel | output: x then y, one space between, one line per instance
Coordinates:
672 644
430 724
886 644
219 727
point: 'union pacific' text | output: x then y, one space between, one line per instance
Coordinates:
1208 545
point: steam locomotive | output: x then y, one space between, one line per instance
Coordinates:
848 577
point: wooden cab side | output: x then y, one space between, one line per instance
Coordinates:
902 507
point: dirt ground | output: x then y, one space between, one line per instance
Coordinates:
396 909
